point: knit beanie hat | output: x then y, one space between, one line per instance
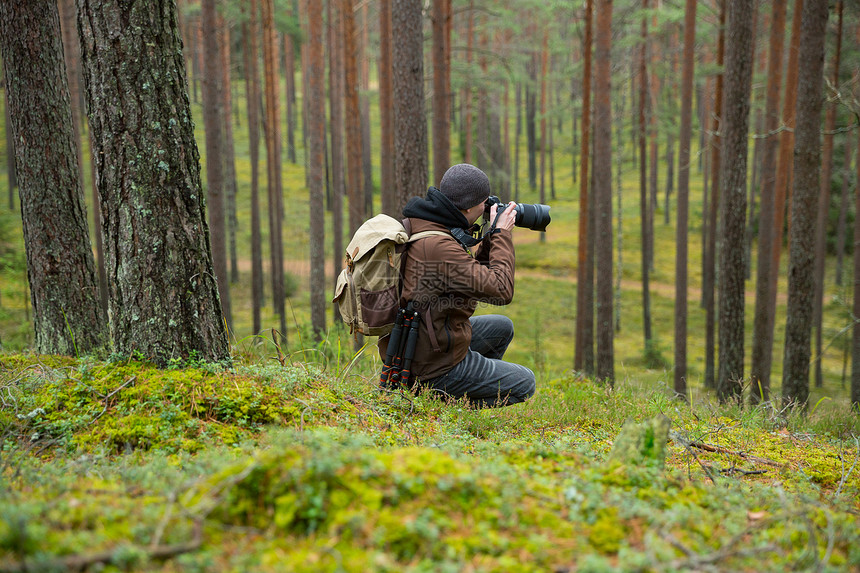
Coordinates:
465 185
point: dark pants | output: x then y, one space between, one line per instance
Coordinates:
482 376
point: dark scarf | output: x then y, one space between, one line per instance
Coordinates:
437 208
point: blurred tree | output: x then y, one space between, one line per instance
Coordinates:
314 76
213 121
603 191
768 235
272 125
355 177
163 296
682 215
441 88
250 32
229 172
584 291
67 316
804 203
386 113
410 126
733 197
824 204
335 41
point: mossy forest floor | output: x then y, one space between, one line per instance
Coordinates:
273 466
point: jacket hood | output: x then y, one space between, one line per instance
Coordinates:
437 208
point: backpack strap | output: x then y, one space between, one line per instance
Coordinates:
425 234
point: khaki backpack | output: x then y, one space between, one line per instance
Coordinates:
367 292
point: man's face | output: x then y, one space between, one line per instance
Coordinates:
474 213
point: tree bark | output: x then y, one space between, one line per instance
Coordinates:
733 197
581 284
230 185
804 201
336 121
386 113
213 119
11 173
410 127
824 208
67 316
855 338
768 235
644 209
163 295
603 192
709 279
441 83
252 96
841 230
681 229
316 137
355 178
273 161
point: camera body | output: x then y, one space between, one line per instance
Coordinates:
529 216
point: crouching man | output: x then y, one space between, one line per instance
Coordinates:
456 354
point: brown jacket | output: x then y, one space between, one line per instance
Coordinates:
447 283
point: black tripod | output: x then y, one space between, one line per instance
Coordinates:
401 349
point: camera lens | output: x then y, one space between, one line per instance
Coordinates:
533 217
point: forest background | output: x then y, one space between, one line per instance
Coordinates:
514 98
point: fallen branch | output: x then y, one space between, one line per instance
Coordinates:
721 450
80 562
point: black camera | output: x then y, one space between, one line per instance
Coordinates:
535 217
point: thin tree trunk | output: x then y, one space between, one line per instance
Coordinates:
543 135
336 122
824 208
290 96
654 126
67 316
163 297
410 126
733 197
782 181
252 96
213 118
230 186
841 230
644 210
681 230
386 112
583 286
355 180
273 162
313 75
855 335
603 192
364 103
768 235
441 81
517 132
804 200
467 89
709 280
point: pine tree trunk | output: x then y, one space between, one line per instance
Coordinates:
804 201
841 230
252 96
709 280
386 113
410 127
441 82
544 59
733 197
653 149
11 172
644 210
364 102
230 185
467 89
780 190
768 235
682 215
316 136
855 335
213 120
824 208
355 179
603 192
163 296
336 121
290 96
583 287
67 316
273 161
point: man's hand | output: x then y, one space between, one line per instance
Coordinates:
509 216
